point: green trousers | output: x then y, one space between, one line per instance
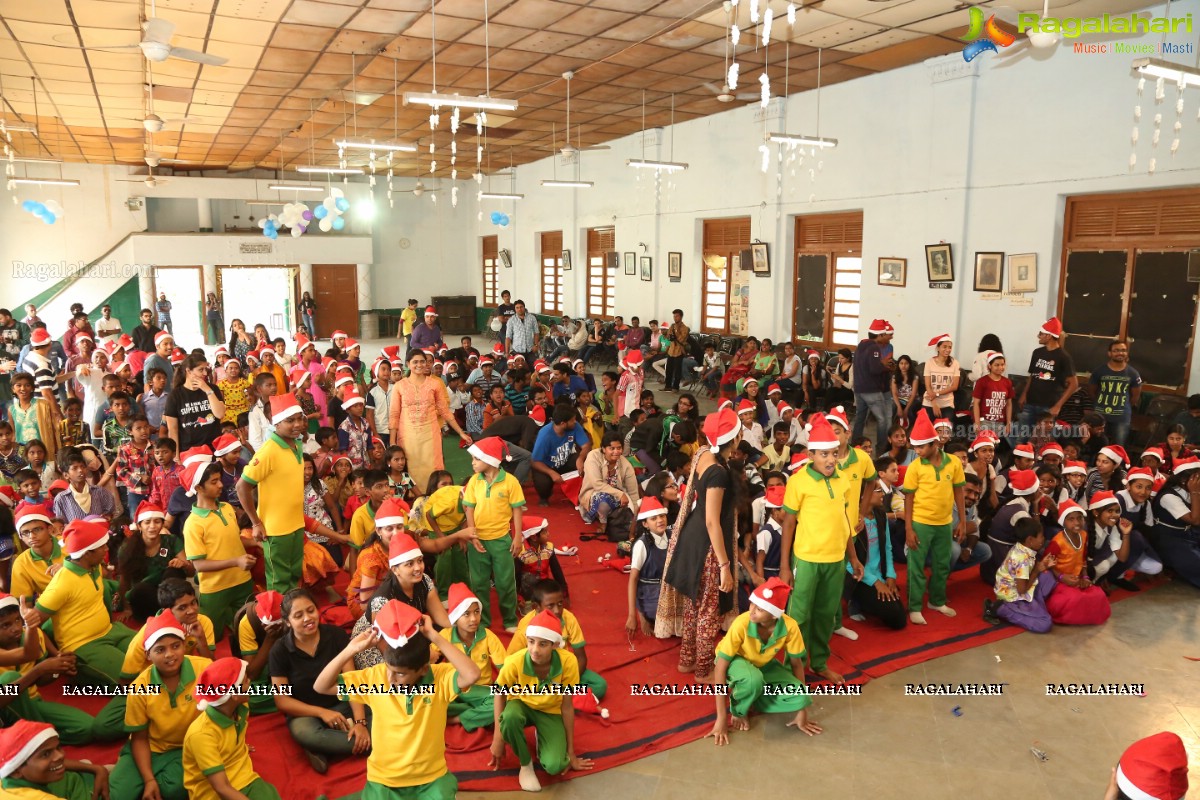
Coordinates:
593 681
551 736
74 726
72 786
475 708
100 660
126 781
816 597
221 606
285 561
259 790
262 703
747 684
935 538
496 565
451 568
444 788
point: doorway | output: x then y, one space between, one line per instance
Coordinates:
183 288
335 290
259 294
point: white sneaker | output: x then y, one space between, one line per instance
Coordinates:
849 634
528 779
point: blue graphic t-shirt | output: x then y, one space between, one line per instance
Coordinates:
1114 389
558 451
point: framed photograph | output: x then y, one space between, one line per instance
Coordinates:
647 268
506 259
1022 273
760 258
893 271
675 267
566 259
746 261
988 270
939 263
631 263
736 262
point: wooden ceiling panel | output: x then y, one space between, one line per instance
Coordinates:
325 15
498 37
379 20
590 21
900 55
593 49
538 14
449 29
547 42
360 42
226 29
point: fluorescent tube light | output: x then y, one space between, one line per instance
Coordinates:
45 181
19 128
387 148
482 102
796 139
283 187
265 202
569 184
1169 70
32 160
330 170
501 196
665 166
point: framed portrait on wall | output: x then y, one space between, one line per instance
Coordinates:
675 267
939 263
631 263
1022 273
506 259
566 259
647 268
760 259
893 271
989 268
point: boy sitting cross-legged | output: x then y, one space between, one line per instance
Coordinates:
474 707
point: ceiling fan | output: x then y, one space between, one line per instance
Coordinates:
152 122
156 43
149 179
569 150
419 189
724 93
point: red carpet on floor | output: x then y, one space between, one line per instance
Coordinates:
637 726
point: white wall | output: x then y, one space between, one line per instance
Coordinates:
983 162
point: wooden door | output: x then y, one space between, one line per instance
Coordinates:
335 290
723 239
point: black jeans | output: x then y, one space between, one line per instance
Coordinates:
890 612
545 484
674 371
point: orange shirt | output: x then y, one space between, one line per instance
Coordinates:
1070 561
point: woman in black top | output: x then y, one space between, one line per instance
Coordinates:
321 724
195 407
698 569
408 583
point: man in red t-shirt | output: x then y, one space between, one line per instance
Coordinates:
992 397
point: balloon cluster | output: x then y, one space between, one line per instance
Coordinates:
48 212
330 211
500 218
295 216
270 226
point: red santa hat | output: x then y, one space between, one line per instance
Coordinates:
749 380
1022 482
774 496
147 510
350 344
941 337
1182 465
1074 468
1024 450
8 496
492 451
1101 499
162 336
486 361
980 442
880 327
541 366
545 626
1154 768
344 368
222 350
397 623
84 535
196 455
746 407
820 434
538 415
1050 449
531 525
1115 453
39 338
430 311
299 376
1067 507
812 354
922 431
992 355
798 461
774 389
338 334
838 414
225 444
125 341
379 362
253 356
20 741
268 607
1052 327
724 404
343 381
393 511
303 343
721 428
942 422
178 357
165 624
391 352
120 365
191 475
650 507
8 601
284 406
771 596
1156 452
783 408
402 549
353 398
570 485
32 512
220 680
1139 474
633 358
83 337
498 349
459 601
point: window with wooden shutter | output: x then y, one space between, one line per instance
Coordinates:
723 239
601 273
827 279
1125 276
552 272
491 278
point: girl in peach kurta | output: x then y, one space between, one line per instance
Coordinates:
420 403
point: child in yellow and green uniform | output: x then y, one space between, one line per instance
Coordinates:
362 524
212 541
747 658
933 487
179 597
493 503
33 766
856 468
157 723
474 707
548 596
437 515
32 569
258 626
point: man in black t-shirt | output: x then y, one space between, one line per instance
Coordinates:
1051 381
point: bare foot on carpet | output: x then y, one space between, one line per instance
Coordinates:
831 676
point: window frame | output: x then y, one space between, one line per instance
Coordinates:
551 247
490 249
832 246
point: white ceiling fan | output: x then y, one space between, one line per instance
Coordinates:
149 179
723 92
569 150
419 189
156 43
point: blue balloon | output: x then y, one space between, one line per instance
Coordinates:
38 209
496 217
343 204
28 205
49 218
338 223
504 220
320 212
271 234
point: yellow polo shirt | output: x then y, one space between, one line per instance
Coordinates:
75 600
23 669
167 715
247 641
822 508
518 671
493 503
446 506
29 572
487 651
572 633
135 657
214 536
857 468
277 469
741 641
362 525
412 725
409 318
932 488
216 743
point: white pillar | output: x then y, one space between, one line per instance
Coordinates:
306 280
210 278
204 207
368 324
146 286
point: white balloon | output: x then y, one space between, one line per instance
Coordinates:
326 224
336 192
262 223
330 203
54 207
297 232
